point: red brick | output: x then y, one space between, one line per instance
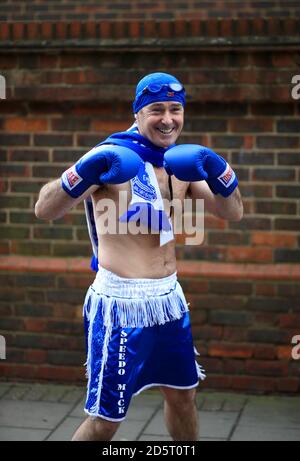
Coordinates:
258 26
59 373
72 282
212 27
226 27
194 286
180 28
248 254
149 29
75 77
274 240
4 31
274 26
281 59
248 142
30 263
267 368
226 287
256 190
12 370
134 29
14 170
3 186
18 31
289 321
250 125
206 332
33 30
91 29
48 61
288 384
46 30
196 27
105 29
110 126
288 289
284 352
35 324
242 27
16 124
35 356
264 318
119 29
218 382
198 317
256 384
241 351
61 30
4 248
212 222
212 364
234 334
280 93
265 289
165 29
290 26
234 366
265 352
75 29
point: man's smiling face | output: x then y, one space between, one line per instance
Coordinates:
161 122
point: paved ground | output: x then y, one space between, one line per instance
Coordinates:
53 412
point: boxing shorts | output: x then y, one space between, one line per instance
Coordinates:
138 335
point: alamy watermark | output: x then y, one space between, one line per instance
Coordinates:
296 89
2 87
2 348
296 348
187 218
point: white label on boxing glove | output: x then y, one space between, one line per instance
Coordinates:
227 177
71 178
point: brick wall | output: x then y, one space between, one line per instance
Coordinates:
136 9
61 80
59 104
244 338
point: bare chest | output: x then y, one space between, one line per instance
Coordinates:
170 189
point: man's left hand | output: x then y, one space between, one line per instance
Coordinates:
192 162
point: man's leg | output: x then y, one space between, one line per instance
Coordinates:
180 412
95 429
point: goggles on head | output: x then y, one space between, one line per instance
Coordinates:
157 87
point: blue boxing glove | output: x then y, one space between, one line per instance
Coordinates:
104 164
192 162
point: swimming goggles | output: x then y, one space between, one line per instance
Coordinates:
157 87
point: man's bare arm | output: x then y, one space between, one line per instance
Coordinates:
54 202
229 208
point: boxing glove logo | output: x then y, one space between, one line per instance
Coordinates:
227 177
71 178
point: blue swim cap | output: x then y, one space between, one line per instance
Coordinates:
158 87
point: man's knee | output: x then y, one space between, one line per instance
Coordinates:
179 397
102 426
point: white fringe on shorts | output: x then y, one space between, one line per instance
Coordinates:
138 302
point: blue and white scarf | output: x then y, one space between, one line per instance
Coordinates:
146 204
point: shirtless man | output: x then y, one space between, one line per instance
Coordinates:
136 317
